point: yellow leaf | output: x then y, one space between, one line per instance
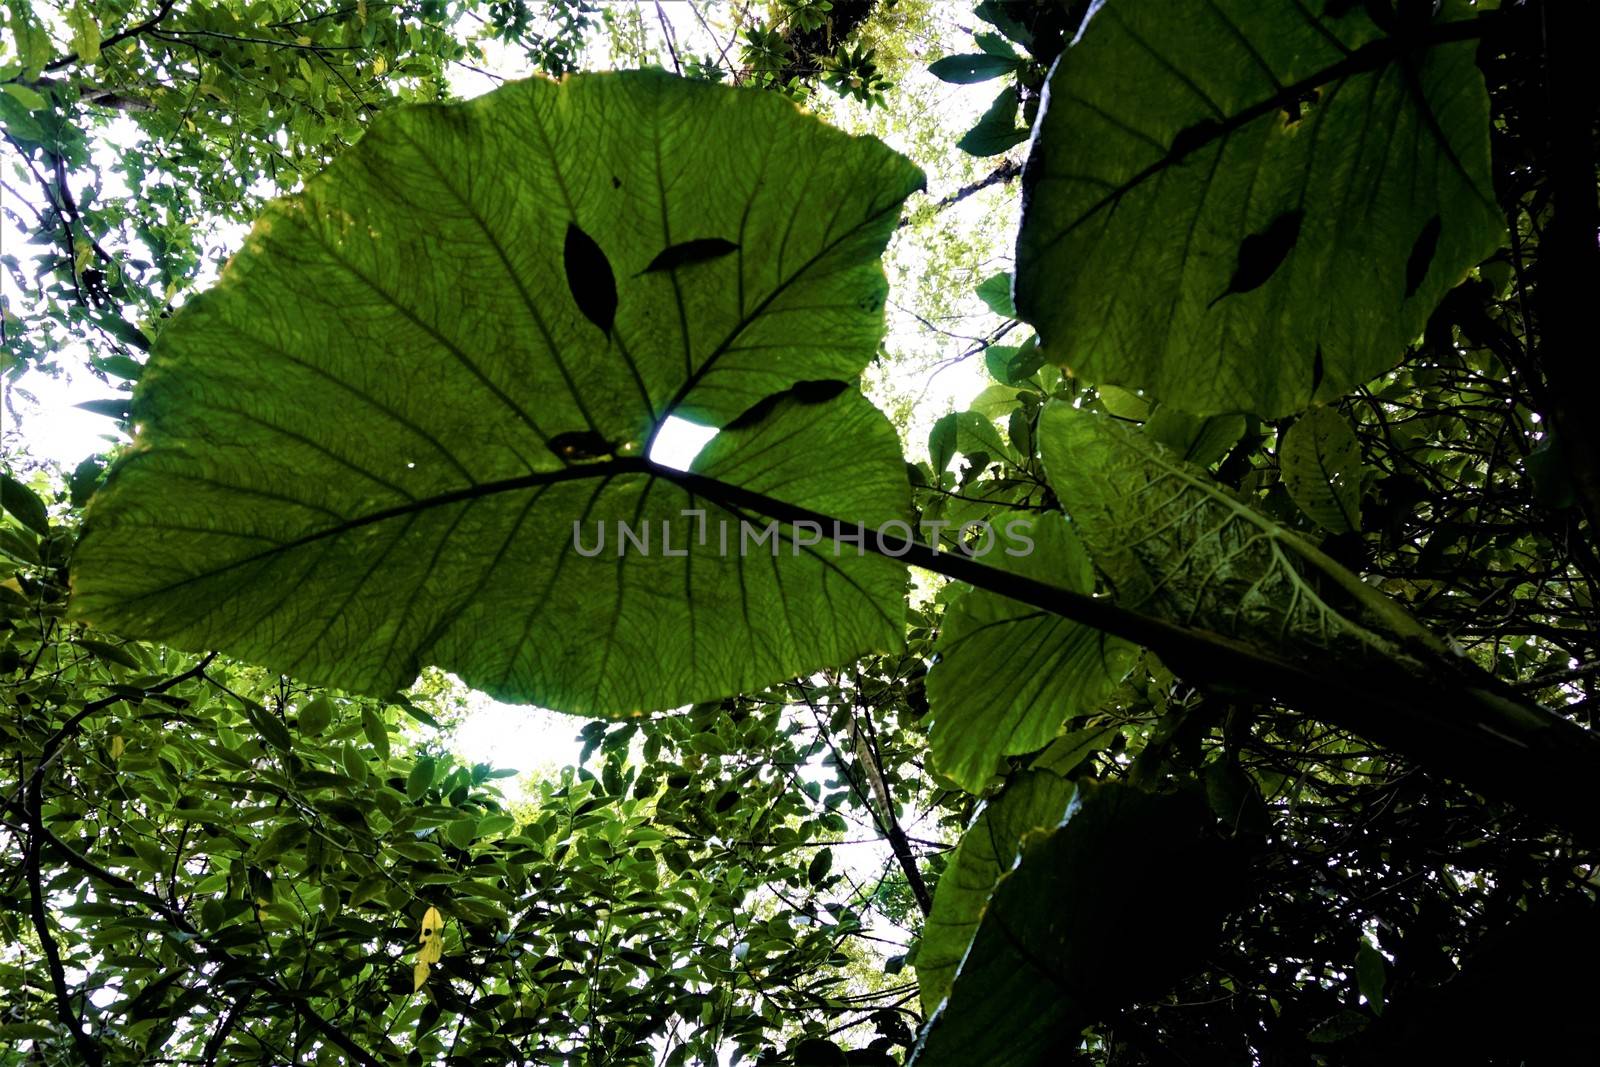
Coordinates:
302 41
430 945
118 746
379 65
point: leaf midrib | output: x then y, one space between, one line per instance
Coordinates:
606 469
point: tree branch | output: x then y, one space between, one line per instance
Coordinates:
1005 172
1569 260
88 1047
866 752
1451 717
39 834
226 961
121 35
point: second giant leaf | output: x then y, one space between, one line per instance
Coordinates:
1242 205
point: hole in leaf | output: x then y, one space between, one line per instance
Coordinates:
589 276
1261 254
1421 258
678 441
697 251
1297 109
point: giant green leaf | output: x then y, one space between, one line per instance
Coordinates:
1032 801
1249 206
374 444
1009 674
1114 907
1174 543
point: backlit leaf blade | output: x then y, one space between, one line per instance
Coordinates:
365 450
1113 908
1008 674
1033 801
1174 543
1247 206
1321 464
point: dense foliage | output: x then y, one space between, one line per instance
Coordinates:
1274 746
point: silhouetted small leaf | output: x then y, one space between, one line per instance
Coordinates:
1261 254
697 251
821 864
1422 256
1234 799
811 392
1194 136
113 408
580 444
964 70
591 279
817 392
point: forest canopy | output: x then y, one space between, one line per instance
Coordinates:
1129 600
